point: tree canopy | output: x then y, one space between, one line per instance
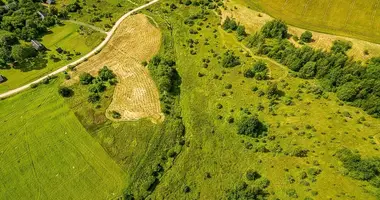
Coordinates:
251 126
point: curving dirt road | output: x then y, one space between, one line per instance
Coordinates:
98 48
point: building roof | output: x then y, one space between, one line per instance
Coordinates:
1 78
37 45
50 1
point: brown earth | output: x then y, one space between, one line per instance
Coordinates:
136 95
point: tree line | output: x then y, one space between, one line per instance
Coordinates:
354 82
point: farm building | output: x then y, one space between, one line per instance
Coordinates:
2 79
37 45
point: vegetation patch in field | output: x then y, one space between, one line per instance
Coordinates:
135 95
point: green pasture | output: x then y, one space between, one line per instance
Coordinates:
46 153
68 38
214 147
94 8
357 19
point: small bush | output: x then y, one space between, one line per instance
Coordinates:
65 92
252 175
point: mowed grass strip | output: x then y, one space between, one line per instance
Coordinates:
68 38
45 152
353 18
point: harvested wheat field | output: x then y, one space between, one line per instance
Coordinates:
254 20
136 95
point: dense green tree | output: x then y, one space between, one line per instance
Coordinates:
229 24
22 53
93 98
251 126
106 74
65 92
340 46
347 92
275 29
307 37
272 91
86 78
308 70
230 59
240 31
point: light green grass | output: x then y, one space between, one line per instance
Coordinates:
357 19
45 153
222 153
102 7
65 37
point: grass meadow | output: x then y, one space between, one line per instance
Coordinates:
214 148
357 19
68 38
210 158
46 153
95 8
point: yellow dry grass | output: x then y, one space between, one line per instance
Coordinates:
254 20
136 95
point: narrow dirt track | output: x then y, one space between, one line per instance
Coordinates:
93 52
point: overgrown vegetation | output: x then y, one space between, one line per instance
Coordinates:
354 82
367 169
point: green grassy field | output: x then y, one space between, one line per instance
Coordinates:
68 38
211 158
358 19
94 8
46 153
215 148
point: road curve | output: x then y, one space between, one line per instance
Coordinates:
98 48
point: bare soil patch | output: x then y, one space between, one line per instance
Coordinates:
136 95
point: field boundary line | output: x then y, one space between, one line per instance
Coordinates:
82 59
86 25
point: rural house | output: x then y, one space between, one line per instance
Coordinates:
2 79
50 2
37 45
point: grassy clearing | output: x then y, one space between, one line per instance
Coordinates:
68 38
47 154
214 148
357 19
254 20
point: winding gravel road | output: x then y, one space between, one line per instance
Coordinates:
98 48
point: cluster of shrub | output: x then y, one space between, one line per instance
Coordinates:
367 169
352 80
210 4
258 71
97 85
231 25
256 189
